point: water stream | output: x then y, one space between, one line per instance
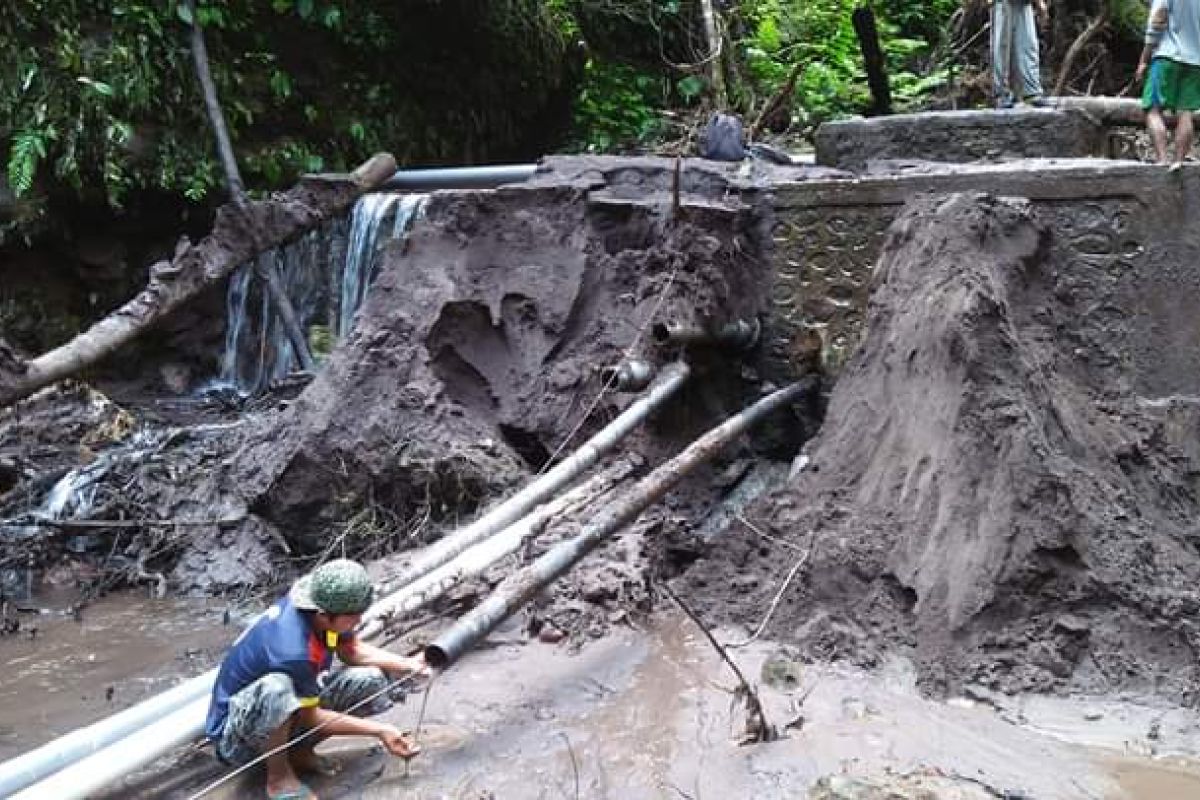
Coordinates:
326 274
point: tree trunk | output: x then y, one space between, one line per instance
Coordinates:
287 315
237 189
1082 41
868 39
237 237
716 71
1106 110
216 118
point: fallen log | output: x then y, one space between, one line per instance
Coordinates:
238 235
1112 111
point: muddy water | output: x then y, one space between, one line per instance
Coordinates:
648 714
123 649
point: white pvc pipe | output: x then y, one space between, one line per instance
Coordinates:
118 760
669 382
64 755
477 559
29 768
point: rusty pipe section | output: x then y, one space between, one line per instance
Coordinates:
523 586
737 335
670 381
630 376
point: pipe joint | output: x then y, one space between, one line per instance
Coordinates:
739 335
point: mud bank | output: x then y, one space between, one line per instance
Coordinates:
990 493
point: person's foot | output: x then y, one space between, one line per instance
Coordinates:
1175 166
289 790
1039 102
1004 103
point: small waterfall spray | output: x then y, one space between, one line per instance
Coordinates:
362 252
326 274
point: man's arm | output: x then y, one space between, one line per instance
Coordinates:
333 723
1156 28
361 654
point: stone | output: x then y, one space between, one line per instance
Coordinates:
723 139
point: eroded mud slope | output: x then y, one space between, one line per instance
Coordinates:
992 490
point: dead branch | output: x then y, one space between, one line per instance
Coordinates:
781 97
1081 41
757 727
216 117
198 266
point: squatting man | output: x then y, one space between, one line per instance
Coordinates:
275 683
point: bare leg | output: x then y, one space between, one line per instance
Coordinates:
1183 136
1158 132
303 756
280 775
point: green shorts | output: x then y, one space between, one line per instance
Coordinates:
1172 85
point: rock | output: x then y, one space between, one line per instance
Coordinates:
550 634
723 139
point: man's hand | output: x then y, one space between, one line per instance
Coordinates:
415 666
397 743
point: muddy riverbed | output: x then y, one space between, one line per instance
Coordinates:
647 713
61 672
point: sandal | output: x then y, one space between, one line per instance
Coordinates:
303 793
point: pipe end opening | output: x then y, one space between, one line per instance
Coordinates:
436 657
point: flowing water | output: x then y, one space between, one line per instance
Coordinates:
326 275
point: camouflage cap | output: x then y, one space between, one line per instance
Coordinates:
341 586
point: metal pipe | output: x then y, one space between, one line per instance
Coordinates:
738 335
29 768
414 180
184 721
35 765
630 376
118 760
523 586
479 558
670 380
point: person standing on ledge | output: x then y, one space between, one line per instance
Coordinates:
1171 58
1015 60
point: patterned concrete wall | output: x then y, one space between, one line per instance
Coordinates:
829 235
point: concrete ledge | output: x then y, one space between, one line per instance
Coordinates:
961 136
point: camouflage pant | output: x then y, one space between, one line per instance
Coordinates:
258 710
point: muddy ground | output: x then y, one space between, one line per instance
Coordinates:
989 497
989 492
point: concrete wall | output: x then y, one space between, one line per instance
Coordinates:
1128 234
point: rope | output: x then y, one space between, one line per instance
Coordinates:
295 740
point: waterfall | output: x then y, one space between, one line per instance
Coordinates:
362 252
326 275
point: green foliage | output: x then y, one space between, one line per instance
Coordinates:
617 107
100 98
